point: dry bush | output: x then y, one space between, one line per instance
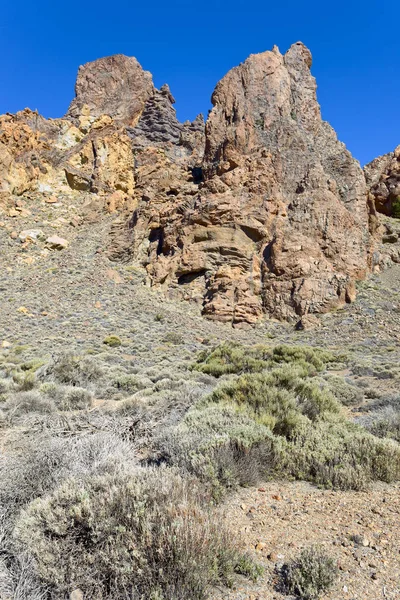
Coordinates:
312 574
21 403
147 536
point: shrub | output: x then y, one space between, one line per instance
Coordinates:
281 421
129 383
396 207
346 393
45 462
70 369
234 358
386 423
112 340
28 402
25 382
312 574
75 398
144 536
277 399
173 338
222 447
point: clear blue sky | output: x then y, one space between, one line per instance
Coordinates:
191 45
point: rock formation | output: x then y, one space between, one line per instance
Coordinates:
262 210
383 181
280 223
116 86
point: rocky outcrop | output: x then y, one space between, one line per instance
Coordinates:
280 222
56 157
260 211
383 181
116 86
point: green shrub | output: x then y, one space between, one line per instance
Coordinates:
129 383
312 574
147 536
222 447
112 340
396 208
25 382
282 421
278 399
346 393
173 338
233 358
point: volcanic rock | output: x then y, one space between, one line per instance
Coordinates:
383 181
115 85
259 211
280 223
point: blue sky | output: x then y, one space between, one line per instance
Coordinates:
355 47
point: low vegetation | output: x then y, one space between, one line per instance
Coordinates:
312 574
141 536
120 501
278 418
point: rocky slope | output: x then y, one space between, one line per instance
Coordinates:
262 210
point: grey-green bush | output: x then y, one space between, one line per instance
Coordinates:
312 574
147 536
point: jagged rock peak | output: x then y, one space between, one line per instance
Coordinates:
280 223
158 123
115 85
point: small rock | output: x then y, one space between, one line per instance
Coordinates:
5 344
13 235
31 235
76 595
57 243
260 546
51 200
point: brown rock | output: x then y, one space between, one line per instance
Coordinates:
383 181
115 85
280 224
57 243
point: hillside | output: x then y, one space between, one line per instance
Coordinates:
199 361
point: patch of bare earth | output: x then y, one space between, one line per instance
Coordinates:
361 530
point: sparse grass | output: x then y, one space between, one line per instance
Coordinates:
312 574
